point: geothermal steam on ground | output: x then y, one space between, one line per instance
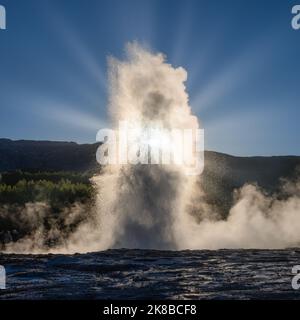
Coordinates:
157 206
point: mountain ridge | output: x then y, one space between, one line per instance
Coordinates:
222 173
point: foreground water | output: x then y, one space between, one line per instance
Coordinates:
149 274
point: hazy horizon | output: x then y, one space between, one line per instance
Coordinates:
206 150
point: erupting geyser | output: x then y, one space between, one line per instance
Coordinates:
144 206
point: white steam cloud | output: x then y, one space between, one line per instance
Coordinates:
145 206
255 221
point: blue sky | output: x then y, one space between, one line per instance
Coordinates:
242 58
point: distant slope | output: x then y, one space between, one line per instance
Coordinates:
223 173
46 156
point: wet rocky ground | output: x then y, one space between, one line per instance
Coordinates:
150 274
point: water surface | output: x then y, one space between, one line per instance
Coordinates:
150 274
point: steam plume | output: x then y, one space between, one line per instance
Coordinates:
146 204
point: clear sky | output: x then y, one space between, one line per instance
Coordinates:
242 58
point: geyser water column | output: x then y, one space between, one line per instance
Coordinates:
145 206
